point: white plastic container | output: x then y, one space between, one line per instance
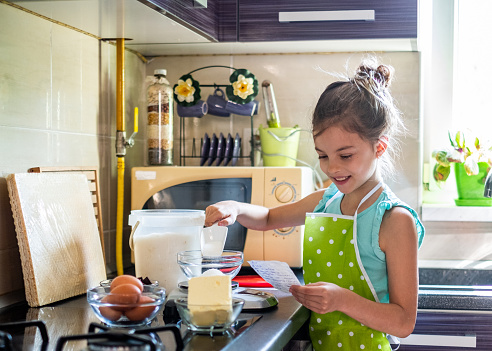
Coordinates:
158 236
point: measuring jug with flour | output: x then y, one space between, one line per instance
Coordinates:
157 237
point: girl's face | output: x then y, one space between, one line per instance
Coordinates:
347 159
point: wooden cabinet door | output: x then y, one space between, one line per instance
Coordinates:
259 20
202 20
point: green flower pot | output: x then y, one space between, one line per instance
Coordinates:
470 188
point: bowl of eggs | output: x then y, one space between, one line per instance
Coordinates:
126 301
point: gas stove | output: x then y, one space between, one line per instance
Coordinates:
72 325
98 338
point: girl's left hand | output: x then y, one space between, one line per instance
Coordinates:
319 297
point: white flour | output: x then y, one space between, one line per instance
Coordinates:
156 256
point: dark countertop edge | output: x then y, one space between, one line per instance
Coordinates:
276 327
454 311
455 302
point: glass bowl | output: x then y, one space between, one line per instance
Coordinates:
208 322
194 264
107 283
113 310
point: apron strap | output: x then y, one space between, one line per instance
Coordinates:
356 246
337 194
368 195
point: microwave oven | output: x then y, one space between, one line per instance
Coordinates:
188 187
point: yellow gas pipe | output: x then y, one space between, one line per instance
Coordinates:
120 149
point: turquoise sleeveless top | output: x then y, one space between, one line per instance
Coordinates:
368 224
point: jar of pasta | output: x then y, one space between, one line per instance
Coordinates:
160 120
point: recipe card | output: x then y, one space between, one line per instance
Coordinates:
277 273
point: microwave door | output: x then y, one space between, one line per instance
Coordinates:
197 195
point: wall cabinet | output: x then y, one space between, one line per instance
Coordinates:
202 19
259 20
217 22
178 27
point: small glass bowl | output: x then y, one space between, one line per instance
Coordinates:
126 315
107 283
209 322
194 264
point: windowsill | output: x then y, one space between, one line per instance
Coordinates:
451 213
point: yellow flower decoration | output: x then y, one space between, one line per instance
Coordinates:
184 90
243 87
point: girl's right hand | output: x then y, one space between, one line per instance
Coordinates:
320 297
223 213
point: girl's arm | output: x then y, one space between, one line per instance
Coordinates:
261 218
398 239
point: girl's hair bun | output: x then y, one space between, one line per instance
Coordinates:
368 72
384 74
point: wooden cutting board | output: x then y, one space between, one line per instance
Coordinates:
57 233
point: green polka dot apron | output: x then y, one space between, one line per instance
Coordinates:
331 255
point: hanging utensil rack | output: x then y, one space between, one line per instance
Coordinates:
183 156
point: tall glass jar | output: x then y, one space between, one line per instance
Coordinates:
160 120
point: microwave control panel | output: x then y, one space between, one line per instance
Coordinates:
282 186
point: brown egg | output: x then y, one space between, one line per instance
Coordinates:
109 313
126 279
124 294
142 312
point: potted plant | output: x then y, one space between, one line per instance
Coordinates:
472 161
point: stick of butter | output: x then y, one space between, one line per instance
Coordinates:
210 299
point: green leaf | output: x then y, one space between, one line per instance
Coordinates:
460 139
441 173
451 141
441 157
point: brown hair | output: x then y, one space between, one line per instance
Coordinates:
363 105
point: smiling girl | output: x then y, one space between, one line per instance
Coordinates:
360 240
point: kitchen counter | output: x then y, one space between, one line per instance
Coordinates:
276 327
272 331
263 329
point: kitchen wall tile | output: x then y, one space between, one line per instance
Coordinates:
26 148
106 177
31 148
25 70
72 109
107 90
72 149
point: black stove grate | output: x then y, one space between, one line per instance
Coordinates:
103 338
6 340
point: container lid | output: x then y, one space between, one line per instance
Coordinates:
164 218
162 72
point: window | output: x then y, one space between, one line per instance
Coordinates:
456 47
472 88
